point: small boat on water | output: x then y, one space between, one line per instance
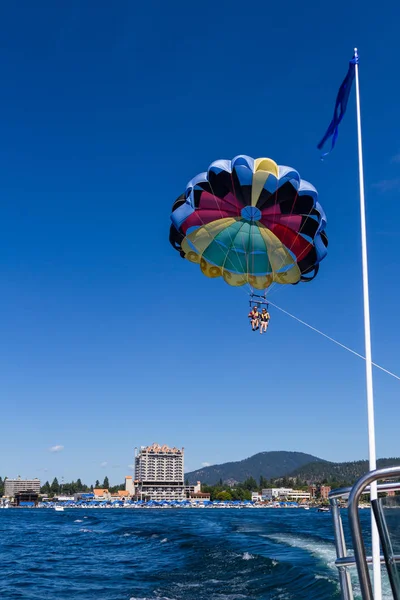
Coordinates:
59 508
323 509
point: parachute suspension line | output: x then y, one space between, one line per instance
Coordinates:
333 340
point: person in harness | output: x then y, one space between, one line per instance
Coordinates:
254 317
264 320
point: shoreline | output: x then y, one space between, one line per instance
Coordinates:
195 507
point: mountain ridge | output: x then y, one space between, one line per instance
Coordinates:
279 464
341 472
269 464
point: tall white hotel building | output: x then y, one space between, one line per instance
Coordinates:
159 473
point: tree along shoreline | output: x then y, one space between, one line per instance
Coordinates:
220 491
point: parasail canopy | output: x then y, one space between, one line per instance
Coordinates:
250 221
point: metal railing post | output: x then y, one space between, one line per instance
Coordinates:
355 525
344 561
341 550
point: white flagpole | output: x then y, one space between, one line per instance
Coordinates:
376 563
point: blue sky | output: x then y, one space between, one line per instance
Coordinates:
108 339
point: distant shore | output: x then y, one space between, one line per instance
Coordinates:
221 506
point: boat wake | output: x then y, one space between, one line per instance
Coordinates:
326 553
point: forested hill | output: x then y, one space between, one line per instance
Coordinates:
344 473
264 464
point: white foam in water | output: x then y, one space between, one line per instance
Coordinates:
323 550
282 595
326 552
326 578
78 521
127 535
164 540
247 556
231 596
154 598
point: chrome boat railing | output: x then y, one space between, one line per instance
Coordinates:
360 559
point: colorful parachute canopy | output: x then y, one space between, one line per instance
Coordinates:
250 221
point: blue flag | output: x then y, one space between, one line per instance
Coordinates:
340 106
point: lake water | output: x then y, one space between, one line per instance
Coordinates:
167 555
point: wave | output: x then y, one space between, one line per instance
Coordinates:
325 551
325 578
154 598
210 555
282 595
231 596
